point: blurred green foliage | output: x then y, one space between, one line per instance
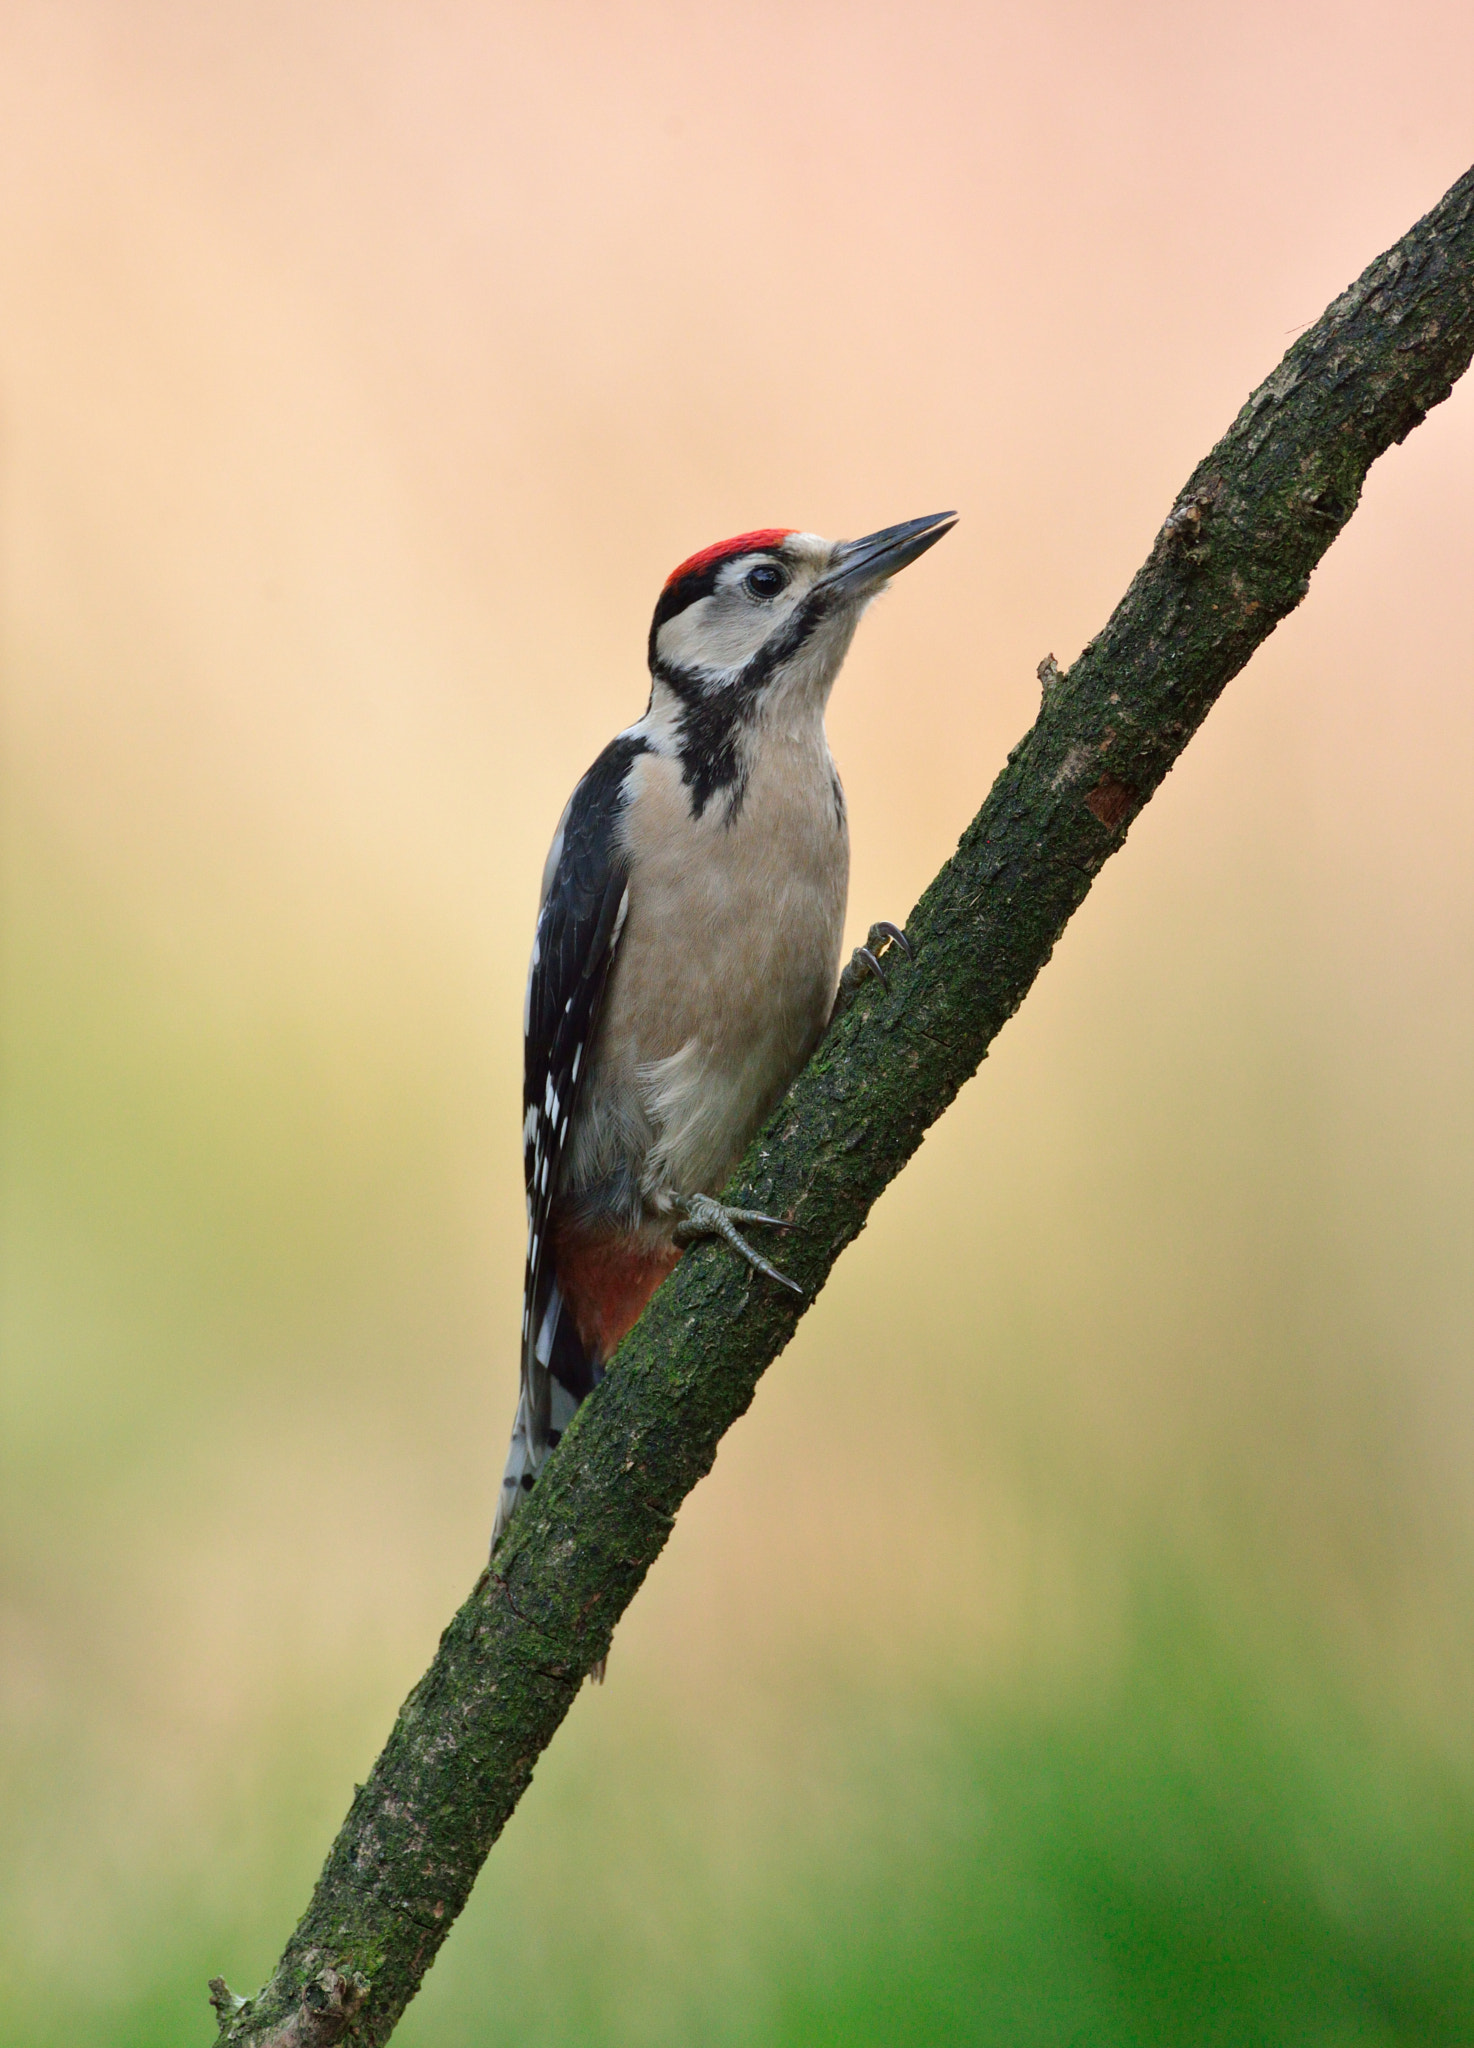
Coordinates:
1075 1644
1068 1648
1202 1853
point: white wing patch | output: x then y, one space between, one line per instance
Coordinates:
582 915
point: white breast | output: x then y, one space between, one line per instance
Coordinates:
727 968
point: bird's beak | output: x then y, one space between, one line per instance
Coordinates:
862 566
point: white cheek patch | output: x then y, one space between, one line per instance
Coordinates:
722 631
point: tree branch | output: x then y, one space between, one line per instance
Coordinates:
1233 557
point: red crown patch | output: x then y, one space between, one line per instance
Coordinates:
740 544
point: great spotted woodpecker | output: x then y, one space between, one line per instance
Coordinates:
687 949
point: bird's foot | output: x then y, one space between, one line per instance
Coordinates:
704 1217
865 962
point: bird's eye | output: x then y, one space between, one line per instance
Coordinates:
766 580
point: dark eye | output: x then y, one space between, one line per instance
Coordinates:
766 580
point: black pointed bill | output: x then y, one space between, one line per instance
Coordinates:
861 566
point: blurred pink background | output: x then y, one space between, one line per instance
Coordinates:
363 370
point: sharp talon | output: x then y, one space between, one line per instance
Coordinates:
708 1218
758 1263
865 961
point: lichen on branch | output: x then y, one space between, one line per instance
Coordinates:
1233 557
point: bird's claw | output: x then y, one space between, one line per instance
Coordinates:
865 961
757 1216
705 1217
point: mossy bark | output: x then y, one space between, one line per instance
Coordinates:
1233 557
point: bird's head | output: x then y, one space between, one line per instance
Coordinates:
770 614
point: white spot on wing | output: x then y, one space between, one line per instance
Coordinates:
543 1349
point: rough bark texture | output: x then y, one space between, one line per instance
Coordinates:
1233 557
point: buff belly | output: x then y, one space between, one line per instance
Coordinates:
722 987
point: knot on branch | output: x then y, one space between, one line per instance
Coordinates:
1183 529
326 2008
1050 675
1112 801
226 2002
1322 503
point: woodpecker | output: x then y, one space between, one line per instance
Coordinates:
687 950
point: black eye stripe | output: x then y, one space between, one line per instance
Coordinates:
676 596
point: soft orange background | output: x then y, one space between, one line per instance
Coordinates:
363 370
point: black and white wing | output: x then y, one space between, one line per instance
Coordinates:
585 900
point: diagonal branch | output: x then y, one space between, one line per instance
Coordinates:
1233 557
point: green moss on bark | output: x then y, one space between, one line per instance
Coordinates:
1233 557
